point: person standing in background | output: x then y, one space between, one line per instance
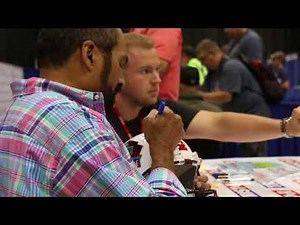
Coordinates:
243 41
168 44
277 66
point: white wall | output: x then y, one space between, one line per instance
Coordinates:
8 74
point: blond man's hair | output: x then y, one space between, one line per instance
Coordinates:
138 40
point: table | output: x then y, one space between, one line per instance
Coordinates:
254 177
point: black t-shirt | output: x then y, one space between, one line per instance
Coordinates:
186 112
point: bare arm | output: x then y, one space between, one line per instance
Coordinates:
236 127
285 85
216 97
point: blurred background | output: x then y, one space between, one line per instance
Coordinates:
17 45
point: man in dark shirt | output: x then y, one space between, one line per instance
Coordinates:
142 87
149 64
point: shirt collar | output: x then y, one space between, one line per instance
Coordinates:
93 100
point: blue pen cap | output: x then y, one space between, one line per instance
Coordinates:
161 107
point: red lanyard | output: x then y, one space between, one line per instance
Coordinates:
123 123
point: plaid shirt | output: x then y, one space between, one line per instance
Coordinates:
56 141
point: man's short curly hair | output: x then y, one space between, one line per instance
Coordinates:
55 46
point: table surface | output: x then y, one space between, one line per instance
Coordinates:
254 177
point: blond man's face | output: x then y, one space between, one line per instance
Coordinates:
142 76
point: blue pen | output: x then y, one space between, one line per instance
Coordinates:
161 107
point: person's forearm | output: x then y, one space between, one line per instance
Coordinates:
247 128
217 97
233 127
159 162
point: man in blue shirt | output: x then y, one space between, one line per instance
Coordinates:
230 85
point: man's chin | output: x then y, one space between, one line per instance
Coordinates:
152 101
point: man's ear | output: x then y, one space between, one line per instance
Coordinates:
90 56
87 53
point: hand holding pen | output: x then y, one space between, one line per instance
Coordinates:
163 130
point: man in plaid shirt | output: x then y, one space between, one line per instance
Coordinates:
55 139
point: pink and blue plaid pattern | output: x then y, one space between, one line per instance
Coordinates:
56 141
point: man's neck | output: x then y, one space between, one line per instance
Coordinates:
128 109
67 75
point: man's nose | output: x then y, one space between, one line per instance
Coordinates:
157 76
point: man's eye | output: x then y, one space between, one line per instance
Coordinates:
146 71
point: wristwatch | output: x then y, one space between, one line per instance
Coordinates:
283 127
